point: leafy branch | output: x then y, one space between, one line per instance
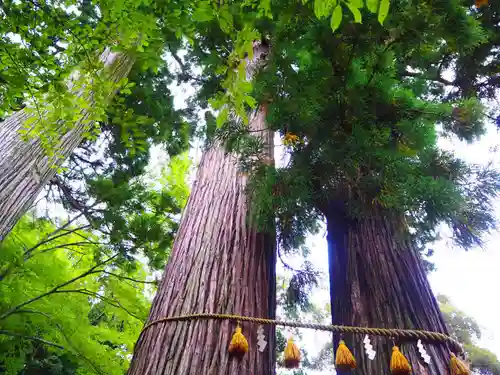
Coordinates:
129 278
57 288
31 338
107 300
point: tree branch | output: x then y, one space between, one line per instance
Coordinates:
27 253
107 300
66 193
184 68
129 278
65 246
31 338
438 78
56 288
59 327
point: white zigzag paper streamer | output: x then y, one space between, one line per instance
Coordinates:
426 357
261 339
369 348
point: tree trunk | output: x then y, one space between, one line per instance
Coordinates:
377 279
25 167
219 264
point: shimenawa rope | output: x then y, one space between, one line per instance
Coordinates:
428 336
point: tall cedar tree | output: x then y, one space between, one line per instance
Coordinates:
219 264
367 104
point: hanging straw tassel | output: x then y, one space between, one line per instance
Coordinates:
292 354
239 344
344 360
457 367
399 363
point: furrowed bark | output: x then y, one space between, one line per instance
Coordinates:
25 167
377 280
219 264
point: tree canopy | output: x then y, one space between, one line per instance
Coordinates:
68 305
366 106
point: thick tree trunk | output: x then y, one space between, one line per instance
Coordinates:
377 280
25 167
219 264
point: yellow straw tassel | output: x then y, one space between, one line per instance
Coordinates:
344 360
399 363
239 344
292 354
457 367
481 3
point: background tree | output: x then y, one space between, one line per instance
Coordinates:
104 204
466 329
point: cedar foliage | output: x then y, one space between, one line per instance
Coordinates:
368 104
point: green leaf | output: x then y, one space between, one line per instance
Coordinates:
204 12
372 5
225 20
252 103
265 8
318 8
336 17
322 8
356 3
355 12
383 11
222 117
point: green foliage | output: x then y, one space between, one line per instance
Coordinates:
40 43
467 331
368 104
64 310
106 180
239 22
59 102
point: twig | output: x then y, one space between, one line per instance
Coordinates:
129 278
184 69
27 253
438 78
109 301
56 288
65 246
31 338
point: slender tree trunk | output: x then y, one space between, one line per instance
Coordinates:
25 167
377 279
219 264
